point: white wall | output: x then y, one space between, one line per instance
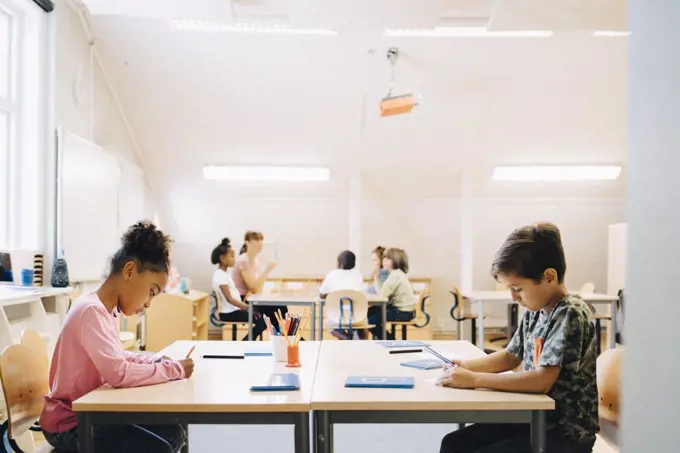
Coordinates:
88 108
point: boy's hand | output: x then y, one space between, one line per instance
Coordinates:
458 377
188 365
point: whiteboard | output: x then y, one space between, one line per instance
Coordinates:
87 206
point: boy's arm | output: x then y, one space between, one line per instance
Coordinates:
498 362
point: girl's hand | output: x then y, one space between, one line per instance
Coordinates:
457 377
188 365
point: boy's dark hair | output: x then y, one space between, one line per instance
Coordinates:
399 259
347 260
146 245
250 236
220 250
529 251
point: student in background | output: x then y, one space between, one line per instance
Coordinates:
247 276
378 272
397 289
230 306
88 352
344 277
555 344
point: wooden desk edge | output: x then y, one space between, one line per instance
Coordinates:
192 408
433 406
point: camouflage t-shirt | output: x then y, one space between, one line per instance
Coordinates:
569 341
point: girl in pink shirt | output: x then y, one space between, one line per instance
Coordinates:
88 353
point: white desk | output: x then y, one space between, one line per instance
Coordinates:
332 402
217 393
312 301
504 297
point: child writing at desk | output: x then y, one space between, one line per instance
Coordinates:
88 353
555 344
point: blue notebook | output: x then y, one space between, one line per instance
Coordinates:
382 382
279 383
425 364
402 343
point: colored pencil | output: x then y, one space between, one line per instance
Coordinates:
191 351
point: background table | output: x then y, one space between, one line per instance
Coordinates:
217 393
333 403
504 297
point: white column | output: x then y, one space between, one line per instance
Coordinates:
650 392
466 234
355 212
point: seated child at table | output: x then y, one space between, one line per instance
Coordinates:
397 290
230 306
344 277
378 273
88 352
555 344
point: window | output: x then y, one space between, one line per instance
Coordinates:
23 107
9 23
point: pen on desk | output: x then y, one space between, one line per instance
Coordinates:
405 351
191 351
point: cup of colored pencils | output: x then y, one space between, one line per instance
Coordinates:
291 328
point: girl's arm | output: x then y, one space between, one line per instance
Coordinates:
253 281
101 343
236 303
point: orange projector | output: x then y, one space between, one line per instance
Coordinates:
396 105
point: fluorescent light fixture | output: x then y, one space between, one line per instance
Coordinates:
557 173
611 34
192 25
268 174
466 32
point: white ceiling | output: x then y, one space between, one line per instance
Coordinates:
199 97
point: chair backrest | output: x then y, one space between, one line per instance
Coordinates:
337 307
25 382
421 309
460 305
32 339
609 384
588 288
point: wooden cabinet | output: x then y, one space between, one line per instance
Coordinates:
174 317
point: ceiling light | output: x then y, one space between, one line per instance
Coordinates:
466 32
191 25
611 34
557 173
269 174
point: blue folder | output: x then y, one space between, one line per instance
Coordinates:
402 343
278 383
425 364
383 382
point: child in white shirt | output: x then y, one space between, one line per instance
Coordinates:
344 277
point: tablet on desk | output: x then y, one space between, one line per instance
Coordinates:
426 364
382 382
278 383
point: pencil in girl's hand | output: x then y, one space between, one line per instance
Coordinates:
191 351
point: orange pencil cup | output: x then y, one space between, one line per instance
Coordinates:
293 356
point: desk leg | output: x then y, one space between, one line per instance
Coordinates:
85 434
480 325
538 431
323 431
312 327
320 321
250 321
301 432
612 325
185 448
384 320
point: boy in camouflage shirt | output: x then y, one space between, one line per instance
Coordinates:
555 344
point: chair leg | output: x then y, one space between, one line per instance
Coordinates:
474 331
233 332
403 331
598 335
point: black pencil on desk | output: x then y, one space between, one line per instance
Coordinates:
405 351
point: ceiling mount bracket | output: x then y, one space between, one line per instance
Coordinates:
392 54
